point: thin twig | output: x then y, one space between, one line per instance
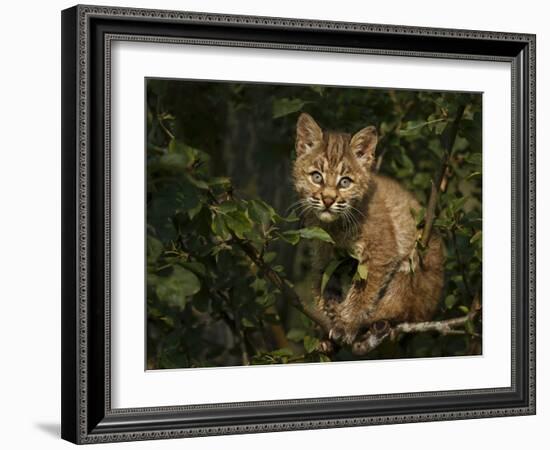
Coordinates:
310 311
371 340
461 264
164 128
448 139
286 290
403 113
240 332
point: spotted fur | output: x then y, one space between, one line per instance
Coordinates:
370 216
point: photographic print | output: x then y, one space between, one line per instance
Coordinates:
311 224
298 199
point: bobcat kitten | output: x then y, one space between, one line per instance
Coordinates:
370 216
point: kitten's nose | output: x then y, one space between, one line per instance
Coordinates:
328 201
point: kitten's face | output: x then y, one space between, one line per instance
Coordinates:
332 170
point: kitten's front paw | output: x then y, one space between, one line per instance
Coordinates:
326 346
351 323
342 335
336 333
351 334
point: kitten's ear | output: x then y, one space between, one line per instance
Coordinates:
363 144
308 134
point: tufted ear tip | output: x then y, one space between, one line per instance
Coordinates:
308 134
306 123
372 130
363 144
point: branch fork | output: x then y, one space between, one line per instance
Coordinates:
381 331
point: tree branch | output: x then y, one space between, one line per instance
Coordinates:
372 339
461 263
376 336
310 311
448 139
234 323
403 113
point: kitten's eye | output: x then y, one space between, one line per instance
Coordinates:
316 177
345 183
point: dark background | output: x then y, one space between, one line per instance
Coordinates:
207 304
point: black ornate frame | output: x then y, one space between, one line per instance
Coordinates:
87 32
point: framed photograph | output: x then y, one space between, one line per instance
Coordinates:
268 222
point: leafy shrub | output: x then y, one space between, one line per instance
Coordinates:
219 233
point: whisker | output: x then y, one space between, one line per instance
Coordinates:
352 220
346 224
304 211
295 205
356 210
351 229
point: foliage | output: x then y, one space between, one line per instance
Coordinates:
219 158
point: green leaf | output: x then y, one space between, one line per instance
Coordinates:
219 181
266 300
184 155
315 233
422 180
238 223
476 237
418 215
457 203
226 207
285 106
464 309
292 217
247 323
319 89
328 272
259 285
260 212
475 159
174 162
174 289
296 334
362 271
443 222
192 213
450 301
196 182
282 352
269 257
154 249
469 327
291 236
311 344
414 127
219 227
152 280
196 267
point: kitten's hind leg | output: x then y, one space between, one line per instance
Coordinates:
373 337
331 298
329 303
